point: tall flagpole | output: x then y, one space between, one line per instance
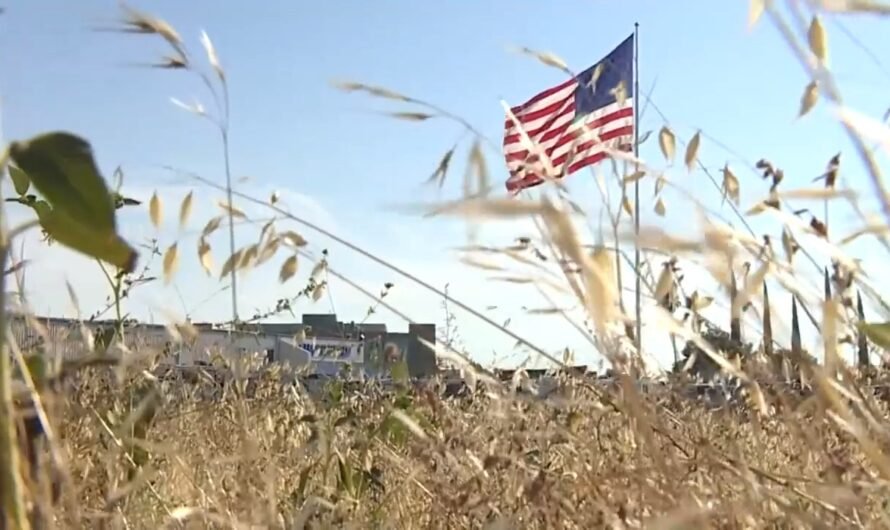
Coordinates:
636 73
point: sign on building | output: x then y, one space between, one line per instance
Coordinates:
346 351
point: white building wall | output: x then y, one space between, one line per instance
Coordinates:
64 338
289 353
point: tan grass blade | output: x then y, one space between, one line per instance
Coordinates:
155 210
233 211
349 86
755 12
660 208
288 269
211 226
809 98
171 262
547 58
730 185
205 257
479 264
866 126
491 208
818 40
821 194
668 143
876 7
872 229
185 210
692 151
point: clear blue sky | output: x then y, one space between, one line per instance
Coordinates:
292 131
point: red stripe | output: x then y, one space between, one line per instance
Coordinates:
580 151
568 138
586 146
557 106
545 128
584 162
531 180
549 92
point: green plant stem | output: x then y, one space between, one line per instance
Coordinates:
115 284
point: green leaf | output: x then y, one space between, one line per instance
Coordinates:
120 201
304 480
104 338
335 391
107 247
343 420
135 427
879 333
403 402
20 180
399 372
345 482
80 212
38 369
394 431
62 168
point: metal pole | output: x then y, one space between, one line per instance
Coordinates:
233 275
636 70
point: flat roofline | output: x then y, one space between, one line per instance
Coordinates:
374 328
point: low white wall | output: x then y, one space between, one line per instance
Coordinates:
64 338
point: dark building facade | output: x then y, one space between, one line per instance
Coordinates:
420 359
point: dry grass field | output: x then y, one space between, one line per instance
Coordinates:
589 457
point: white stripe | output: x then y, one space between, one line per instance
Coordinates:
527 142
515 146
537 168
550 100
567 111
586 136
592 135
613 143
592 150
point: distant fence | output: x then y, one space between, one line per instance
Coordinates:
65 338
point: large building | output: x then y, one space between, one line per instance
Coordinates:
320 344
333 346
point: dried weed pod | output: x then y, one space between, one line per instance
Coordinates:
831 172
703 367
770 172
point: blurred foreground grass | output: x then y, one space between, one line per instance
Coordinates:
590 456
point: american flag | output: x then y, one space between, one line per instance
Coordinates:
599 98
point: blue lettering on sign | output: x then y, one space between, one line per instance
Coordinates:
329 351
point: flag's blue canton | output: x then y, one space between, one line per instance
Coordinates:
617 67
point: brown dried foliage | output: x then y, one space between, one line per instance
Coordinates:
257 453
